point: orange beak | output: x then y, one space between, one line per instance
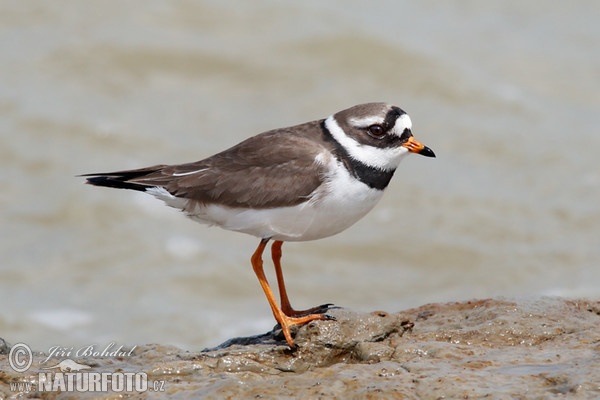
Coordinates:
414 146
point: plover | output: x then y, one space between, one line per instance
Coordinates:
299 183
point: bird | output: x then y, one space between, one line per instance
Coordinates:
294 184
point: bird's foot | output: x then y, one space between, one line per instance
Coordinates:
285 322
322 309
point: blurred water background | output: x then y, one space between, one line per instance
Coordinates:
507 93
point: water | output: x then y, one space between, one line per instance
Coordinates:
506 94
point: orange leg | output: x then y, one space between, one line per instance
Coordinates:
284 320
286 307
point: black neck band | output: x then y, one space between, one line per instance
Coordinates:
374 178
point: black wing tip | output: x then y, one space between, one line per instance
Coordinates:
121 179
113 182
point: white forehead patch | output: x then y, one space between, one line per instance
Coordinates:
382 158
403 122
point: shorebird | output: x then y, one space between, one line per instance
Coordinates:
300 183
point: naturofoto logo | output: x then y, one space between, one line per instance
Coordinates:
69 375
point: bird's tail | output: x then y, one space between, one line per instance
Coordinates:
123 179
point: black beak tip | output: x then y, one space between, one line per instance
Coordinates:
427 152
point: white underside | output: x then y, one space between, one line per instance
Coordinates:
334 206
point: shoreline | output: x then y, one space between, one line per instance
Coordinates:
541 347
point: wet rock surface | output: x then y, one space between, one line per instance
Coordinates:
539 348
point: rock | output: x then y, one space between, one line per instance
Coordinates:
4 347
539 348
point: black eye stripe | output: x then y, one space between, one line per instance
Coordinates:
388 138
405 135
388 124
392 116
384 133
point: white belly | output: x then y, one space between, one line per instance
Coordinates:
334 207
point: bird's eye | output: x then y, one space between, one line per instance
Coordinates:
376 131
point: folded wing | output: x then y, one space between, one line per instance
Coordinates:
257 173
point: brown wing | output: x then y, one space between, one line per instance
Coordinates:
275 168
